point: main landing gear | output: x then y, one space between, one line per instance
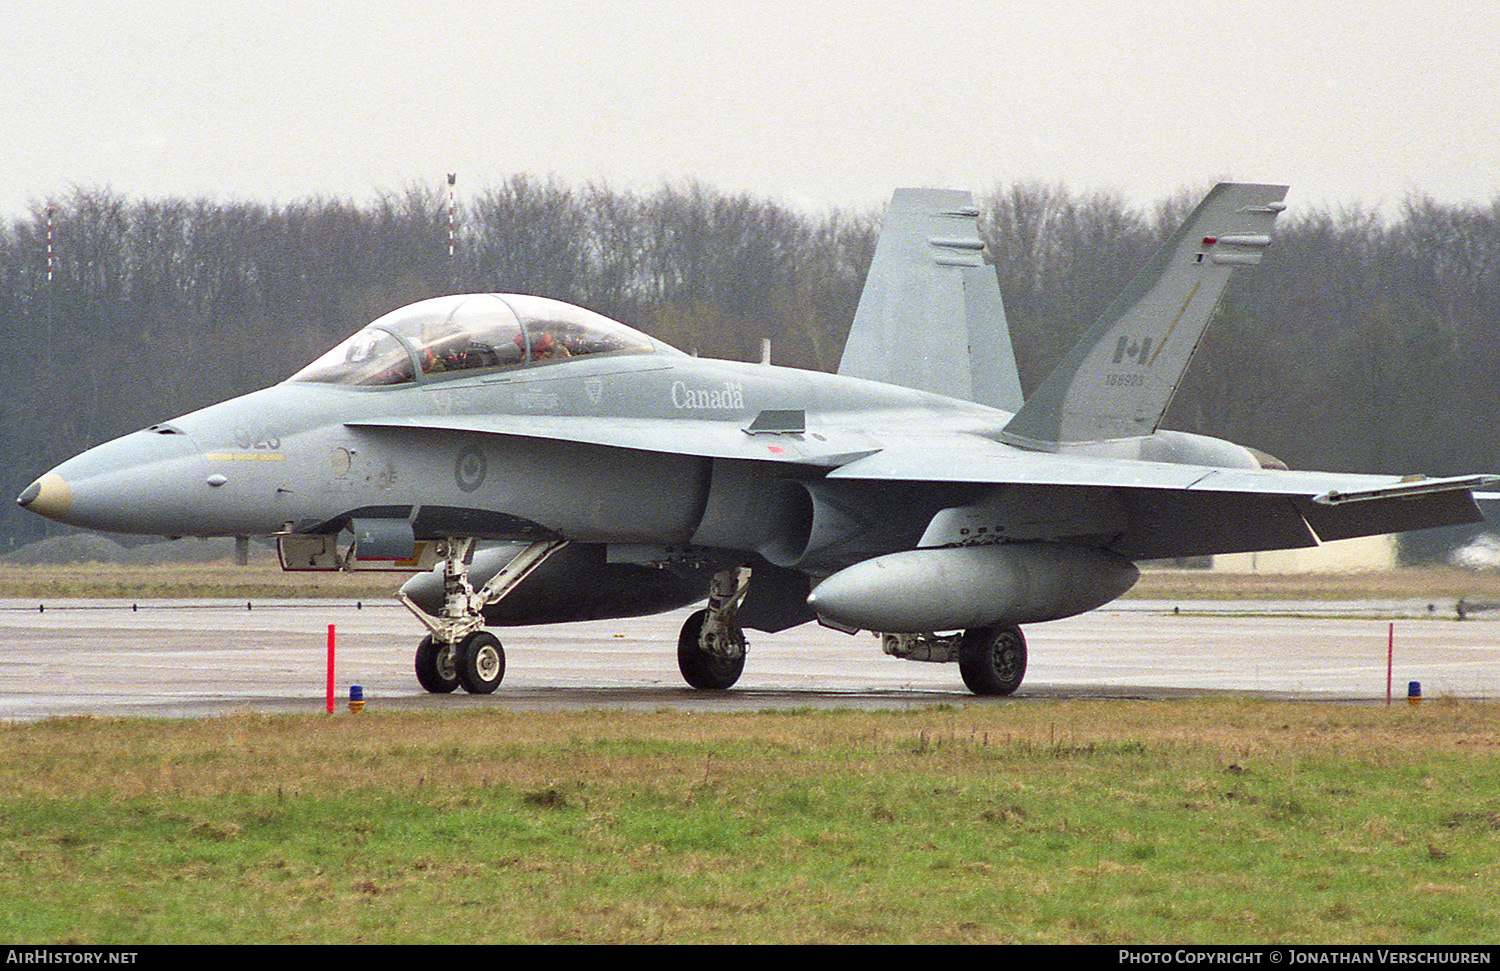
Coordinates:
711 647
459 651
991 660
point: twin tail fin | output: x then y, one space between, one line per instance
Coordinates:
930 316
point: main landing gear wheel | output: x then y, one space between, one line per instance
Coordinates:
706 669
992 660
435 670
479 661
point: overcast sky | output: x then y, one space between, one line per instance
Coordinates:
809 102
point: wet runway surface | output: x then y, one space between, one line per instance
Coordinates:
179 658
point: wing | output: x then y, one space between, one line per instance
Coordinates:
773 436
1138 509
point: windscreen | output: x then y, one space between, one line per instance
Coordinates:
370 357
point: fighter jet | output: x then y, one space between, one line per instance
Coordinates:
534 462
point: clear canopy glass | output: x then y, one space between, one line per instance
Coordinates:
468 332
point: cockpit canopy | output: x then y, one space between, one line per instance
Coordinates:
466 332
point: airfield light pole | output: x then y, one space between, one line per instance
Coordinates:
51 295
452 229
49 342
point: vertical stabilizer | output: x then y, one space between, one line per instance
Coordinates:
1119 380
930 316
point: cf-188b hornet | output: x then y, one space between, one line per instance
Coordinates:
533 462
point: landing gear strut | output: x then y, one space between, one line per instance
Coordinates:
991 660
711 647
459 651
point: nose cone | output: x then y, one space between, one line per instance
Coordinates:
48 496
136 484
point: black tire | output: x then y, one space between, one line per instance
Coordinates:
992 660
479 661
435 669
702 669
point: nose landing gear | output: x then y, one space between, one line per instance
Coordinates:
459 651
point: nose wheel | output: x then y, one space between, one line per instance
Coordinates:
435 670
479 661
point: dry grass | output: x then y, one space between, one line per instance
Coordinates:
129 758
1424 583
264 579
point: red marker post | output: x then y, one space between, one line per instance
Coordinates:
330 668
1390 656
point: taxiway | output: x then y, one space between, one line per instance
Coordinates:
181 658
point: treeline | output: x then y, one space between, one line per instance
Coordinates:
1360 343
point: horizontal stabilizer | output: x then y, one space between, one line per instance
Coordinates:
1411 486
1118 381
1148 510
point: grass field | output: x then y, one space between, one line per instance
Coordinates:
1096 822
